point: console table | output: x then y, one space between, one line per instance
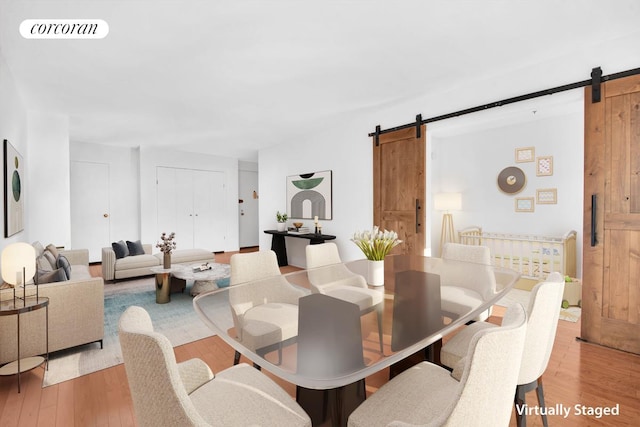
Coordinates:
279 246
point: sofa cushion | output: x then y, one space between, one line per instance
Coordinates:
188 255
135 248
52 276
80 272
63 263
121 249
138 261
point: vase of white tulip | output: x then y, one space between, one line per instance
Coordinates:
376 245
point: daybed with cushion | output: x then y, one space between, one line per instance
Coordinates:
76 307
133 259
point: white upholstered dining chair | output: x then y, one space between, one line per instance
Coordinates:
329 276
167 393
543 312
459 294
265 309
428 395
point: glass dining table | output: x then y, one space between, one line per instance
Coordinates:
337 344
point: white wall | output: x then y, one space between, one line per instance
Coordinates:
150 159
13 127
124 185
470 163
345 149
49 192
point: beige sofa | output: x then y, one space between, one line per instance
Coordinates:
76 314
138 265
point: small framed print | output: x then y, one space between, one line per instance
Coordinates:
544 166
525 154
525 204
547 196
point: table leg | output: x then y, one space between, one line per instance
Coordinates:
331 407
163 288
279 246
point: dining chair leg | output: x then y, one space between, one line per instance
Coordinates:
379 310
540 393
520 406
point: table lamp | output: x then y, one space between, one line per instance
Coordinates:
447 202
18 265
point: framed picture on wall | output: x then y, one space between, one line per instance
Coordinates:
544 166
310 195
525 204
13 190
525 154
547 196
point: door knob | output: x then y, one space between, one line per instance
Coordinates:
106 215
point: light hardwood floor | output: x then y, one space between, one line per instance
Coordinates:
578 374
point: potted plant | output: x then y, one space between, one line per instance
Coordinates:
282 220
376 244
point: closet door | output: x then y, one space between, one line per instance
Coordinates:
611 267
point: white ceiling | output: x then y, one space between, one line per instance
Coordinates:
231 77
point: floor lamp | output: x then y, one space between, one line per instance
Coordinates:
447 202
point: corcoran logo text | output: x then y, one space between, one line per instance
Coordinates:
64 29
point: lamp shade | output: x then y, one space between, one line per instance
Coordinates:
15 257
447 201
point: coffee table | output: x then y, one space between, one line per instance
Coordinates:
203 281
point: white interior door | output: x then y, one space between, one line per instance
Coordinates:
90 221
209 225
248 208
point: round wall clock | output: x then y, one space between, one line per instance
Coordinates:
511 180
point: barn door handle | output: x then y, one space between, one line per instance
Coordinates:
418 215
594 205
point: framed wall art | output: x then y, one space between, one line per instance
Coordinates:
525 154
13 190
310 195
547 196
525 204
544 166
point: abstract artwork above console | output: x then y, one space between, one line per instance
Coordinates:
309 195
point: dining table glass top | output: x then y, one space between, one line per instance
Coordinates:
335 342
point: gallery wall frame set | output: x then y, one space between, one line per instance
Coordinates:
525 204
13 190
525 154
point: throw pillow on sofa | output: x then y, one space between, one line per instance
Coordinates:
52 276
63 263
135 248
121 249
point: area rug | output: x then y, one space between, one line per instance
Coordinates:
177 320
571 314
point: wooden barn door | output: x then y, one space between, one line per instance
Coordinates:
399 187
611 267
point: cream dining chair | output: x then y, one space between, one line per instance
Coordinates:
428 395
459 294
265 312
166 393
329 276
543 312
